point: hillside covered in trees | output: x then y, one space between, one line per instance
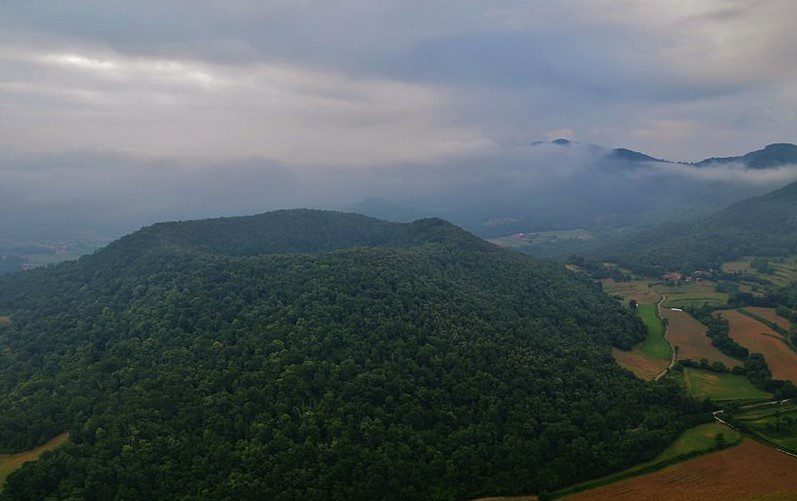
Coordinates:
759 226
309 354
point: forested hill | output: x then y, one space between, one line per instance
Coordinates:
401 361
293 231
764 225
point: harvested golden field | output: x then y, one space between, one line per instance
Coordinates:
769 314
643 367
758 338
750 470
689 336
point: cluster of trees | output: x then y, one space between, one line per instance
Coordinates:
418 363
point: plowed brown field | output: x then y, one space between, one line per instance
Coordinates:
643 367
769 314
747 471
758 338
689 336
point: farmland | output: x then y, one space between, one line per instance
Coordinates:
650 357
634 289
758 338
701 438
719 386
689 336
692 294
12 462
769 315
785 270
775 423
642 366
749 470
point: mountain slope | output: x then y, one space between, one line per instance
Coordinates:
773 155
764 225
192 360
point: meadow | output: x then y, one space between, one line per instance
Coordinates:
655 345
719 386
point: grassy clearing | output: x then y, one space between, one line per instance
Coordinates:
692 442
9 463
654 345
699 438
720 387
775 423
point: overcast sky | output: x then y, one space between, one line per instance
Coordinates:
377 81
202 107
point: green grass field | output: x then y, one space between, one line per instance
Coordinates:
776 423
654 345
699 438
720 387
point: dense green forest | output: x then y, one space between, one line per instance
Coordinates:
307 354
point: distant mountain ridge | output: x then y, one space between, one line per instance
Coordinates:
763 225
772 155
